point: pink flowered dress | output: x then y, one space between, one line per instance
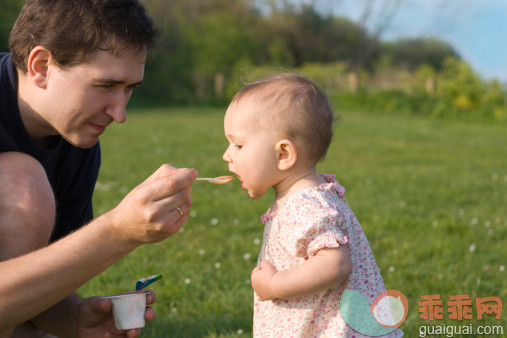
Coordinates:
312 219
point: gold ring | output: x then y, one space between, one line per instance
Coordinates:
181 212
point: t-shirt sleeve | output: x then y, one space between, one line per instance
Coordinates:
313 226
74 207
6 143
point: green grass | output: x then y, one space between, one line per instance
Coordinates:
425 191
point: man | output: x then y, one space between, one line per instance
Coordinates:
72 68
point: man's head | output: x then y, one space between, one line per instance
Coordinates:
71 30
78 62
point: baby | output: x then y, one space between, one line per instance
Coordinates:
278 128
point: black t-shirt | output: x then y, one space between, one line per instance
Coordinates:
72 171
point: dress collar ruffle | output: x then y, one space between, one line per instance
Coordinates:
331 185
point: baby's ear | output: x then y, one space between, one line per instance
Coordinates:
287 154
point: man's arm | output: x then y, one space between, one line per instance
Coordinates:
40 279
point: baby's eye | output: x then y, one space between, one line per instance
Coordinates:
238 146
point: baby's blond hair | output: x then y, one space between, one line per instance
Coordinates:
297 109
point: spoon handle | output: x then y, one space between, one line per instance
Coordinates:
203 179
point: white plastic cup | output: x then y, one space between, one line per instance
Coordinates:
128 310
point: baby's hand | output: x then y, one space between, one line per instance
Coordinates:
262 277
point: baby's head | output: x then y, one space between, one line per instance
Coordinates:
277 126
295 108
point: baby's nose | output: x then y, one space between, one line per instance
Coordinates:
226 157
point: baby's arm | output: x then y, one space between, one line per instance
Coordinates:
326 269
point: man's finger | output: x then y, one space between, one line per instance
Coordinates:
134 333
151 297
164 171
170 185
149 314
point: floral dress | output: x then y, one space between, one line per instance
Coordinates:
312 219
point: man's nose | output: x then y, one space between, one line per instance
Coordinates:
117 108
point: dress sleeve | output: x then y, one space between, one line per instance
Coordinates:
312 226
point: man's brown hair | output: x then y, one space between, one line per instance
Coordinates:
72 29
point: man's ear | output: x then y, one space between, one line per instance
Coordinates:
37 65
287 154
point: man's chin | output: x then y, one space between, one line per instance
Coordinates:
84 143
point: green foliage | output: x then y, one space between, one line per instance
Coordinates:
462 93
459 93
430 196
411 53
9 10
209 48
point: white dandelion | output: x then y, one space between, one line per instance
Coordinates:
214 221
187 281
246 256
218 265
257 241
472 247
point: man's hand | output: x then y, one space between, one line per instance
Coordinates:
149 213
94 318
262 280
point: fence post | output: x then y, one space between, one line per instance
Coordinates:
353 82
219 85
430 85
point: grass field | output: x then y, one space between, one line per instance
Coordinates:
431 197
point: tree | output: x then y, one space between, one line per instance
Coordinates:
411 53
9 10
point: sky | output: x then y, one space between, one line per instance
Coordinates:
477 29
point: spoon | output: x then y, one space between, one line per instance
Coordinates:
216 180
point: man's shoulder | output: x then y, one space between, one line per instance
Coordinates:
7 96
6 142
5 66
4 57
